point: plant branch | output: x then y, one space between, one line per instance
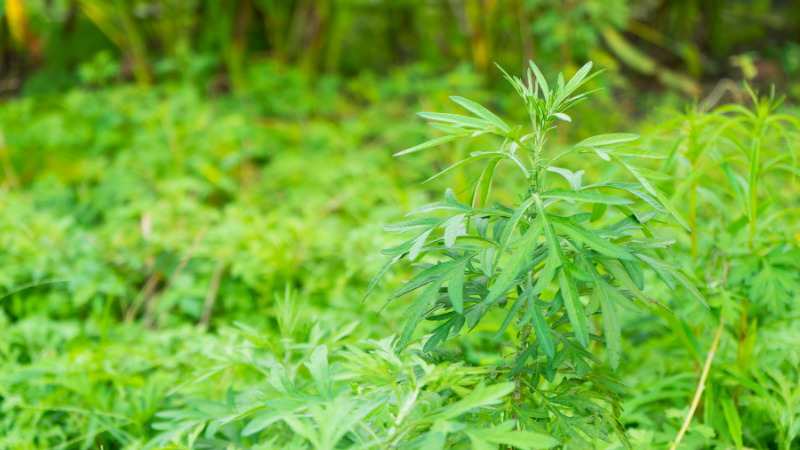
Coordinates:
701 387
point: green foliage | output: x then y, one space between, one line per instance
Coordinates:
198 209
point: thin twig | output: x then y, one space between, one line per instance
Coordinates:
144 296
208 305
152 305
701 386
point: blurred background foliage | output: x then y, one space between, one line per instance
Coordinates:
167 166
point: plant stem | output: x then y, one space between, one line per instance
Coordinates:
700 386
693 218
740 356
526 332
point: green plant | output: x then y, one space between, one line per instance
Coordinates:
728 165
496 262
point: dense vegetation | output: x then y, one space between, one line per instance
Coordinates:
192 213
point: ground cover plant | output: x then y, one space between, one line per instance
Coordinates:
180 271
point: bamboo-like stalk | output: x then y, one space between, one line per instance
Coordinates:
701 386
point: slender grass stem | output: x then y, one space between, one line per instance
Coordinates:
701 386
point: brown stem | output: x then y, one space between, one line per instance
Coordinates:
152 304
213 288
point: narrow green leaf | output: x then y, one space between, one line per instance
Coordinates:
455 288
541 329
572 301
455 118
607 139
610 325
689 286
634 270
512 312
418 309
429 144
508 231
594 241
427 275
451 228
540 80
481 193
529 351
380 274
598 210
660 268
521 255
482 112
733 421
413 224
586 196
472 158
651 174
624 150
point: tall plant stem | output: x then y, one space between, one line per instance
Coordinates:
526 332
701 386
693 220
740 356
